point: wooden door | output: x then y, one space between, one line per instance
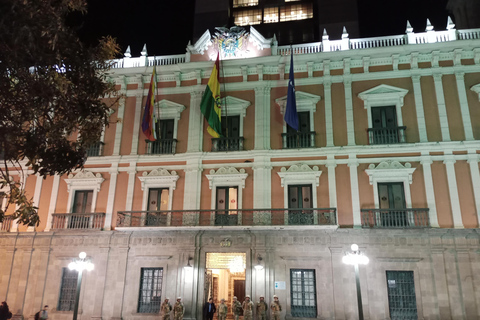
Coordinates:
239 289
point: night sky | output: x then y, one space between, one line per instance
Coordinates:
166 25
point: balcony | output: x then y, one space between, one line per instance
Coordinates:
162 146
94 221
95 150
6 224
251 218
227 144
386 135
297 140
395 218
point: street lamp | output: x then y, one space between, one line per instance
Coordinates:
79 264
355 257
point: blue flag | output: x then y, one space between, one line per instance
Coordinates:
291 115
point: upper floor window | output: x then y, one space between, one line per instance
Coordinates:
270 15
247 17
231 140
68 288
391 197
226 203
299 11
165 143
244 3
304 137
150 292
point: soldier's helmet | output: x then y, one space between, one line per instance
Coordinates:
262 297
179 298
167 298
275 296
222 299
247 296
234 298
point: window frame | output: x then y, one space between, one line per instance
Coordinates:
83 181
140 290
306 102
66 270
158 178
292 306
388 289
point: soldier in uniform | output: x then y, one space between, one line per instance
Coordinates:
276 308
236 308
247 308
222 310
262 309
178 309
165 309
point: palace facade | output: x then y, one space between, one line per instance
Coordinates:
386 156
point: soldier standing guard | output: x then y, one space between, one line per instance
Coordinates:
262 309
276 308
222 310
178 309
165 309
247 308
236 308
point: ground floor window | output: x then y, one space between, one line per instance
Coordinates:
303 293
68 290
401 295
150 295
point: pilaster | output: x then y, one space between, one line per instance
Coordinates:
462 97
53 201
262 118
347 82
442 109
36 196
353 166
417 91
262 177
131 184
136 120
111 196
429 191
193 181
475 175
195 123
453 191
120 116
327 87
332 183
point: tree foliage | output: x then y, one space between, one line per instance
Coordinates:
51 94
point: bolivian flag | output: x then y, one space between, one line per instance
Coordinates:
148 121
210 105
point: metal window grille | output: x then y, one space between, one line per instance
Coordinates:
303 293
150 295
401 295
68 289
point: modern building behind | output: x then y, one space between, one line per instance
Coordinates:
386 156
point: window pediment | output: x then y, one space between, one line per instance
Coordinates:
305 102
169 109
383 95
390 171
476 89
300 174
226 176
234 106
84 179
159 178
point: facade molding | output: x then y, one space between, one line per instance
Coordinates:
83 180
227 177
300 173
158 178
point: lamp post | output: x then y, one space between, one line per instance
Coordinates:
355 257
79 264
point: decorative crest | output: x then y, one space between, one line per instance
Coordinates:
231 43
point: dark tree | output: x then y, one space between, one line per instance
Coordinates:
5 313
51 94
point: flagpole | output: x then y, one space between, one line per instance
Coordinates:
224 90
156 89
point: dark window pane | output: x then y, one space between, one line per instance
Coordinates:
402 301
150 295
68 290
303 293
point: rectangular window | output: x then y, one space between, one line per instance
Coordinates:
392 200
165 143
300 197
158 200
303 293
303 138
244 3
150 295
248 17
230 140
82 203
226 205
68 289
270 15
385 128
296 12
401 295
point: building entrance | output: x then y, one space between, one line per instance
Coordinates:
225 277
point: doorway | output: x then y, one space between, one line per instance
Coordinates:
225 277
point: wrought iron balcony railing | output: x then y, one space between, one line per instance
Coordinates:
395 218
78 220
6 224
245 217
297 140
96 149
227 144
386 135
161 146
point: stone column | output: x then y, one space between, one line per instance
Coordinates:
336 254
262 193
426 162
332 183
192 193
475 175
111 196
440 279
327 85
417 91
347 82
115 282
136 120
131 184
453 191
353 165
462 97
442 109
466 283
195 123
120 116
262 118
